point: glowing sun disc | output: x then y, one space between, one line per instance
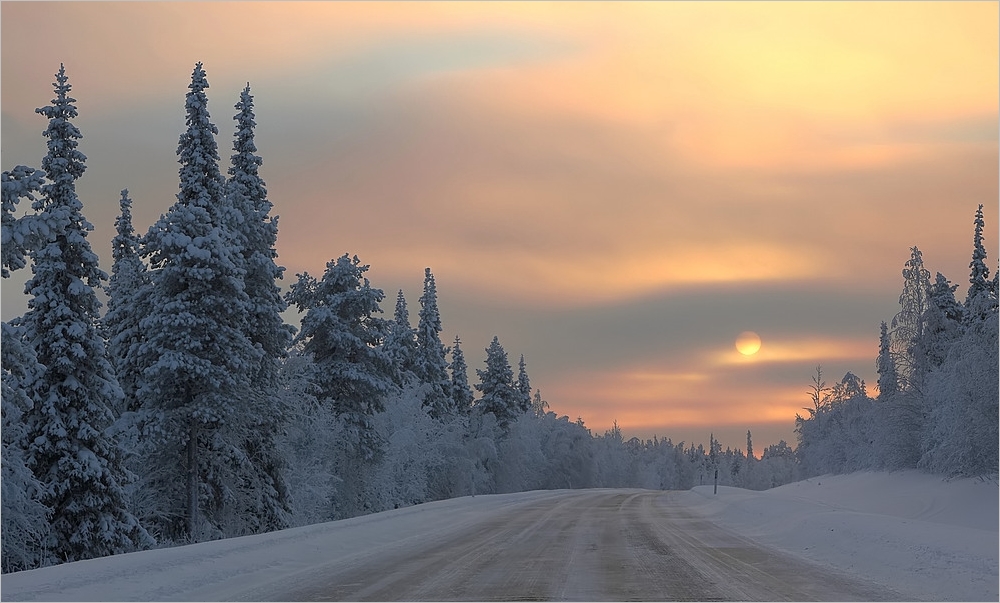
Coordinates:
748 343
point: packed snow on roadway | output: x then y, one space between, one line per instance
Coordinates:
930 538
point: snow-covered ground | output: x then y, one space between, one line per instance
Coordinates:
918 534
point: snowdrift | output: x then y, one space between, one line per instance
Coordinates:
935 539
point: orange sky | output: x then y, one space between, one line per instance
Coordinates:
616 190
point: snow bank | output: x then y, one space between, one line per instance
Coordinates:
934 539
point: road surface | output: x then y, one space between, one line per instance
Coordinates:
584 545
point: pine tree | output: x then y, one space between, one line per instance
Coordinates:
942 327
461 393
905 422
197 361
342 334
898 416
431 363
499 396
523 386
907 325
885 366
129 283
128 304
979 278
350 371
80 469
248 197
750 456
19 234
263 503
401 343
962 398
962 390
918 408
25 519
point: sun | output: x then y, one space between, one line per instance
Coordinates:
748 343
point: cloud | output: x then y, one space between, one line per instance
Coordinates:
135 50
679 393
616 190
578 212
796 349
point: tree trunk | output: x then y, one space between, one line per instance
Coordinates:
192 480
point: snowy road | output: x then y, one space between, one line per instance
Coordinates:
579 545
830 538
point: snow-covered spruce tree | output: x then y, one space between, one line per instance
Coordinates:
979 278
499 396
23 519
431 362
350 371
903 416
342 334
248 195
942 327
962 391
127 291
68 450
461 393
523 387
262 503
962 396
907 325
129 283
19 234
197 361
401 344
885 366
898 418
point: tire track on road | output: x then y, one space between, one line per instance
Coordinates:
585 545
